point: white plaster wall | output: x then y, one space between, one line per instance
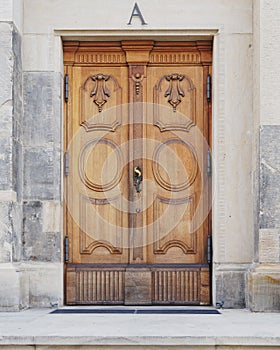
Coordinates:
269 62
90 19
12 11
43 16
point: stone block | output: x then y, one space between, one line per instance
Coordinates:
17 87
32 246
28 347
14 288
52 216
269 51
37 244
6 10
16 231
10 114
17 169
38 53
6 234
32 285
41 173
46 284
10 231
6 67
264 288
42 53
6 163
12 11
231 288
270 176
233 222
42 108
6 112
269 246
10 106
42 135
138 287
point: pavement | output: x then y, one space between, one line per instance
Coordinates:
232 329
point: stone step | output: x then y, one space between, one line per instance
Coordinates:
231 329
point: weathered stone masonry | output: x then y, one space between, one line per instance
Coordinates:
10 161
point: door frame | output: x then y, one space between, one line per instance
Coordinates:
162 36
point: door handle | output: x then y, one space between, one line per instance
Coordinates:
137 178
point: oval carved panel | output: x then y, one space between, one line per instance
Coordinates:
100 165
175 165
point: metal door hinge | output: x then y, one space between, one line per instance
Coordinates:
66 88
66 164
66 249
209 163
208 88
209 249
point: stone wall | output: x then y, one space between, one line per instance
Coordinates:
30 176
264 279
10 159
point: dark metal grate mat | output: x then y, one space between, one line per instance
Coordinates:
137 311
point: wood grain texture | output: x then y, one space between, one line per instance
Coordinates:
149 96
97 286
179 286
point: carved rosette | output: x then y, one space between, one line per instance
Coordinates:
174 90
100 92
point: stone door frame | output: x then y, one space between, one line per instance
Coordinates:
225 264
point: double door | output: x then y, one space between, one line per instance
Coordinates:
137 187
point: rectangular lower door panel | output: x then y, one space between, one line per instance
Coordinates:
138 286
180 286
86 285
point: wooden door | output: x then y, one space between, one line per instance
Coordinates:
137 190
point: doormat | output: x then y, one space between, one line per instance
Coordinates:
138 311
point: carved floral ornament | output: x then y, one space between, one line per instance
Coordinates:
174 90
100 91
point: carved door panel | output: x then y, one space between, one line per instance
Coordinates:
97 184
136 194
178 217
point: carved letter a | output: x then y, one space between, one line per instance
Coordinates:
137 13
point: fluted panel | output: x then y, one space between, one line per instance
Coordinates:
99 286
176 286
100 58
181 58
